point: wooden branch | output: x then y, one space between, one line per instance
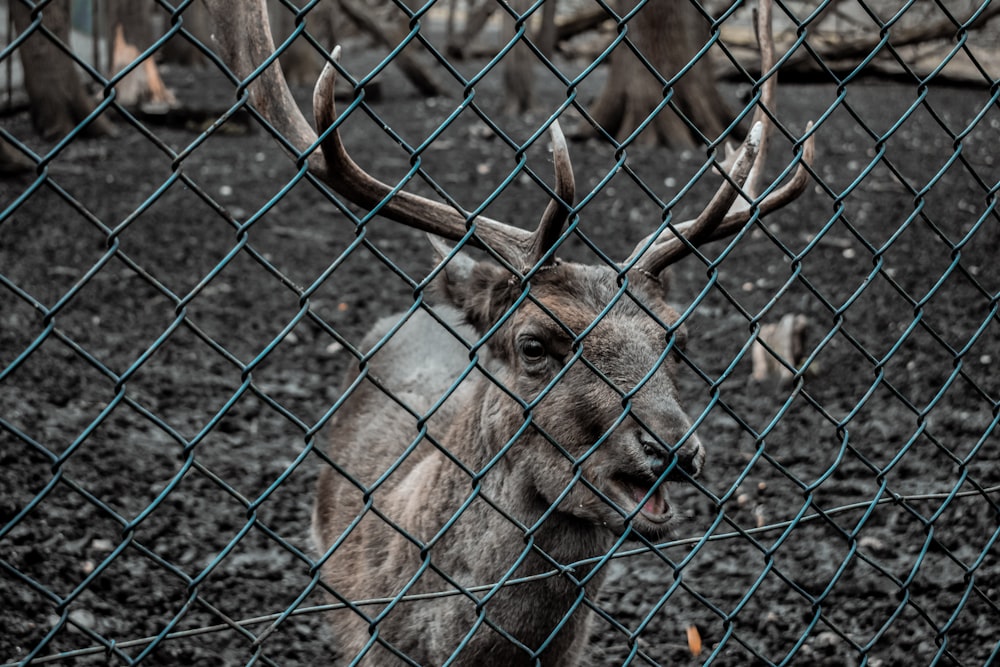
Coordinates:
389 34
835 47
580 22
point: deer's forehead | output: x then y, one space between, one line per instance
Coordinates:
588 298
560 313
624 319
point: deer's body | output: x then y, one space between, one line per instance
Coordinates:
520 483
441 476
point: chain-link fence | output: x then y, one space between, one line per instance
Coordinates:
181 300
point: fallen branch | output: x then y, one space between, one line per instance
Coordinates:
389 34
839 52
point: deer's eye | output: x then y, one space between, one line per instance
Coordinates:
532 349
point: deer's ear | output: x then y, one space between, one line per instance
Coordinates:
481 290
457 270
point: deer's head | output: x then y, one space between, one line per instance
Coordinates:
587 361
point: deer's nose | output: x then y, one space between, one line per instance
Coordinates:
657 458
690 457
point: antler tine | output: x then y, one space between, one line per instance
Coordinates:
765 42
246 42
358 186
556 212
243 41
788 192
693 232
726 213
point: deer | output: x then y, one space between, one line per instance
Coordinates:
486 447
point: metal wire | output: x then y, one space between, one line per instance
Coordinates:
915 452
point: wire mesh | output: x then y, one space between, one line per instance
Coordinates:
181 301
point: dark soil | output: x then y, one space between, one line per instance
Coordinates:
176 319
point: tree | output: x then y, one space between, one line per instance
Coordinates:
668 34
519 64
56 96
476 18
301 62
182 51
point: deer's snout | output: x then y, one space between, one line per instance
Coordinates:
690 456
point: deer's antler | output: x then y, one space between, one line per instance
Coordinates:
246 44
728 212
521 248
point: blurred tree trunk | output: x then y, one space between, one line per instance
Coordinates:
476 19
179 50
669 34
449 27
301 62
519 63
56 97
579 22
547 35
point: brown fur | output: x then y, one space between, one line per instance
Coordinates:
470 495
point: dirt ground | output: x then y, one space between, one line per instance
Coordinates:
174 324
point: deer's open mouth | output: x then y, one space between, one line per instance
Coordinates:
653 504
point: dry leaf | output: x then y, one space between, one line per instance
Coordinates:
694 640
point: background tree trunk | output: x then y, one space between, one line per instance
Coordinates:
476 19
546 35
668 33
519 63
56 96
181 51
